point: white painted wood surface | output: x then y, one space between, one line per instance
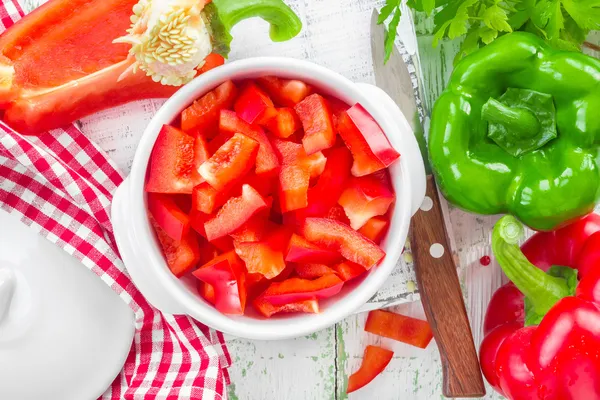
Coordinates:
317 367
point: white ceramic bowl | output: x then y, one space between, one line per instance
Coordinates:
143 257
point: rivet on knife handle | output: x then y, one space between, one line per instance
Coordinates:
442 299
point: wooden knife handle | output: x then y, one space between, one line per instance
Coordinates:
443 301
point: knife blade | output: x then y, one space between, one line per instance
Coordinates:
435 270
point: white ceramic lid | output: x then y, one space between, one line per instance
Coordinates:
64 334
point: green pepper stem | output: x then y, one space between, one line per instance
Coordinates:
519 120
285 24
543 290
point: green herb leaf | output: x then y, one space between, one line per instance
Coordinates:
391 34
585 12
488 35
428 6
547 16
387 10
440 33
495 18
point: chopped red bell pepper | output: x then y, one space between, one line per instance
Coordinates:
267 256
207 199
207 292
374 362
207 252
336 106
293 188
251 231
223 244
202 116
295 289
226 275
285 123
348 270
325 194
181 255
268 310
219 141
399 327
172 168
370 147
364 198
318 125
301 250
212 61
291 153
312 271
197 221
168 215
254 106
375 228
265 184
266 159
235 213
231 162
350 244
285 92
201 154
338 214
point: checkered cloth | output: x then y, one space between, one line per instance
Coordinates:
61 185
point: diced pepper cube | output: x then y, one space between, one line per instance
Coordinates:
207 199
168 215
202 117
375 228
285 92
253 105
181 255
325 194
251 231
207 292
291 153
285 123
301 250
348 270
293 184
399 327
296 289
312 271
364 198
267 256
318 125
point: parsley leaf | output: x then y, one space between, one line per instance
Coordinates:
387 10
586 13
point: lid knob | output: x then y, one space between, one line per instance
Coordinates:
7 284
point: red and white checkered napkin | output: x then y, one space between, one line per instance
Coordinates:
61 184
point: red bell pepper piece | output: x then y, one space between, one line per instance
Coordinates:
207 199
207 292
348 270
231 162
251 231
266 159
318 125
168 215
285 123
226 275
350 244
374 362
291 153
312 271
202 116
375 228
325 194
265 184
293 188
181 255
295 289
338 214
267 256
541 331
301 250
268 310
399 327
212 61
364 198
223 244
235 213
254 106
172 167
370 147
285 92
336 106
197 221
201 154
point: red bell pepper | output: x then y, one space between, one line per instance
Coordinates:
370 147
375 228
291 153
285 123
235 213
181 255
399 327
312 271
285 92
202 117
197 221
201 154
168 215
338 214
348 270
301 250
350 244
267 256
364 198
268 310
254 106
266 159
318 125
542 331
172 163
212 61
325 194
223 244
231 162
293 188
226 275
295 289
251 231
207 292
374 362
207 199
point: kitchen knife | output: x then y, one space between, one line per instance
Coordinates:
437 278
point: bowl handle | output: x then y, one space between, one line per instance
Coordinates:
409 148
133 256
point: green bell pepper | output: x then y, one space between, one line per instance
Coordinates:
517 131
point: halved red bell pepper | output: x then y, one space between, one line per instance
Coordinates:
207 292
213 60
268 310
318 125
226 275
231 162
295 289
374 362
202 117
348 270
364 198
399 327
285 123
291 153
350 244
375 228
293 188
285 92
370 147
181 255
312 271
266 159
301 250
168 215
235 213
253 105
172 163
267 256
